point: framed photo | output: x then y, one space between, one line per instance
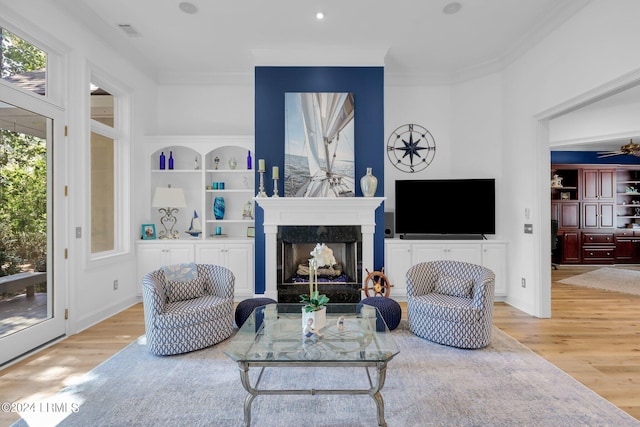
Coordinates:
251 232
148 231
565 195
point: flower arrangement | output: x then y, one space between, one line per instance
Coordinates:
322 256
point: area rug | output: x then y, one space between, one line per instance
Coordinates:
609 279
504 384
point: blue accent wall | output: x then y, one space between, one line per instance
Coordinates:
367 86
591 157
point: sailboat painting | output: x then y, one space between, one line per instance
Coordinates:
319 145
195 229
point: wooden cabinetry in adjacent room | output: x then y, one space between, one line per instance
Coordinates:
598 248
598 184
598 212
567 213
627 246
570 244
598 197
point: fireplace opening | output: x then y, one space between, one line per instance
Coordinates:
341 284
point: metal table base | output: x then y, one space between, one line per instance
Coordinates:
373 391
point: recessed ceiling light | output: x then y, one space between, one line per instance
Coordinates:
452 8
187 7
319 16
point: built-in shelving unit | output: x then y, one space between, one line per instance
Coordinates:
628 198
196 172
206 168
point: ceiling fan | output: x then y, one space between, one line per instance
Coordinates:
630 148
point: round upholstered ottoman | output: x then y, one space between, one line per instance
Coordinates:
389 310
246 307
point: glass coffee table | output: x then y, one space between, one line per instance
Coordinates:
273 336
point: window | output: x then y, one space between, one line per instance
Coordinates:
107 153
22 64
102 193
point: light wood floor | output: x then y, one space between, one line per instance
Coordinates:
593 335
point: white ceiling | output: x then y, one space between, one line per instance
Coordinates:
414 39
418 37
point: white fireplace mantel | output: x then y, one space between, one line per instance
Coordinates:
283 211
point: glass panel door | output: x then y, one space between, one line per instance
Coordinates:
28 316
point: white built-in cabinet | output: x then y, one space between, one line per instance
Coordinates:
201 163
237 257
154 254
400 255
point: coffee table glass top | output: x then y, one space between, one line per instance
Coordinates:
274 333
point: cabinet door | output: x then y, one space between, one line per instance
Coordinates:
570 247
240 262
606 215
597 215
626 246
569 215
237 257
427 252
397 258
625 251
590 215
211 254
464 252
606 181
179 254
598 184
590 184
494 258
152 256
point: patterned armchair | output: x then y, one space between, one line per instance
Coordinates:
187 307
451 303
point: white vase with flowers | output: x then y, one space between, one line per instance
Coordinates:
314 303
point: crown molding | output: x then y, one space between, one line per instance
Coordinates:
325 56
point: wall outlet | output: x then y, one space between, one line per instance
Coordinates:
115 285
524 282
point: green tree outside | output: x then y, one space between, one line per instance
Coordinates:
23 173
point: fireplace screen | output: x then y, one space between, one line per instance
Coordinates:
341 283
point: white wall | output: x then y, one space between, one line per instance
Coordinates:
202 109
465 121
597 122
429 107
595 47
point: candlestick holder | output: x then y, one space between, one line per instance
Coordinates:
275 187
261 192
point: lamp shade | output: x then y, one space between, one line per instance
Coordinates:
168 198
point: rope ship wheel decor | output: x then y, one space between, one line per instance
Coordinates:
377 283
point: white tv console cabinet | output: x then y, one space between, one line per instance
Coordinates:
401 254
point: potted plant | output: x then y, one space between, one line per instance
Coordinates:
314 303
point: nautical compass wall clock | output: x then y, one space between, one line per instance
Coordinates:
411 148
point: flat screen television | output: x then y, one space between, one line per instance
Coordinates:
451 207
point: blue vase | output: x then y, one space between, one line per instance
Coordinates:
218 207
